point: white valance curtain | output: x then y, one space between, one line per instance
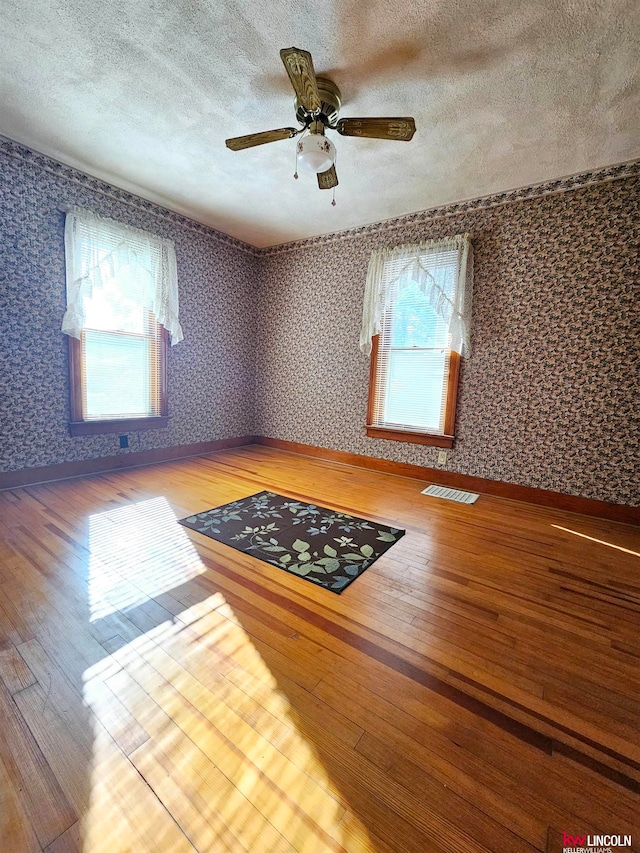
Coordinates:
96 247
442 269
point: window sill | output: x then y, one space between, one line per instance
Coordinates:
118 425
410 436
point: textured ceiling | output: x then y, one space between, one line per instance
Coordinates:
505 93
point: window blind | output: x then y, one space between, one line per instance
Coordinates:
121 374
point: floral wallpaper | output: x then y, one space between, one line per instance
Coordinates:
547 399
210 374
549 396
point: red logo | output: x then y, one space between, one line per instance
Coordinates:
573 840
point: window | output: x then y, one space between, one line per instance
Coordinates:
122 304
416 324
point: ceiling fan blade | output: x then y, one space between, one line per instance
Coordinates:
299 67
328 180
237 143
401 129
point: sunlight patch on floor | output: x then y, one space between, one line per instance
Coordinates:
216 760
598 541
137 552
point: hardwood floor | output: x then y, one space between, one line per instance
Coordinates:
475 689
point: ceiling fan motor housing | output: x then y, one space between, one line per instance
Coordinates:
330 106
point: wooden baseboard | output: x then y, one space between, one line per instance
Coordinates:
67 470
555 500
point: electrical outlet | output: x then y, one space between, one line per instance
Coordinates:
442 458
124 441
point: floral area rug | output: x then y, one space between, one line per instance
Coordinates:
323 546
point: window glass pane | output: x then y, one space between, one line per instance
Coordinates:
445 277
414 389
414 322
118 303
116 376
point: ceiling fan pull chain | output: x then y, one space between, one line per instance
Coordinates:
295 174
335 158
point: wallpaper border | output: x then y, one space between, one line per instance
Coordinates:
619 171
616 172
21 152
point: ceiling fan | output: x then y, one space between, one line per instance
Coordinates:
317 104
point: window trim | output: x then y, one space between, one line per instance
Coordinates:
415 436
79 426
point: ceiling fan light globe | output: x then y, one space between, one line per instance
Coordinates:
316 153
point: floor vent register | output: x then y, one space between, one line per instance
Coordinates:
451 494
